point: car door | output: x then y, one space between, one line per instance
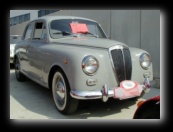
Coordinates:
23 47
36 52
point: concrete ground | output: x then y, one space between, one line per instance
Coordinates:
28 100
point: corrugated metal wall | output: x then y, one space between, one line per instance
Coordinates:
136 28
150 37
125 27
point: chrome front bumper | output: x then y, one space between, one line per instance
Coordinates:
92 94
105 93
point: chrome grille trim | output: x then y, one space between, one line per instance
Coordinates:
124 62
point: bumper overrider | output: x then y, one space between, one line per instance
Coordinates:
116 92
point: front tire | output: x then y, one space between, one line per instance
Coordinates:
19 76
61 94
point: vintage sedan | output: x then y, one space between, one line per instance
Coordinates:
74 58
14 39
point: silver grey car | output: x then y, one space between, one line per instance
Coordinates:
74 58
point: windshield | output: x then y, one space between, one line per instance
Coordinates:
15 39
75 27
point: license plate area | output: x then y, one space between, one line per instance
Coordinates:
127 89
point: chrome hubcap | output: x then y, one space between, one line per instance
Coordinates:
60 91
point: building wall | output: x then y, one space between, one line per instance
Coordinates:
33 13
136 28
125 27
18 29
150 37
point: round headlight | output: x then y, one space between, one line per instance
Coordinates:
145 60
90 65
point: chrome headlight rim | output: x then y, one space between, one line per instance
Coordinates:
142 60
85 61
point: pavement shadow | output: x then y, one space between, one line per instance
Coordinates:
97 108
37 99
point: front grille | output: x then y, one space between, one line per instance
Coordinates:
122 64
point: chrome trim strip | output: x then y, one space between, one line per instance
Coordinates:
124 63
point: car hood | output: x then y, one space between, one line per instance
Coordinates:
12 46
89 42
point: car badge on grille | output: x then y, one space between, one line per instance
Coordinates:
118 47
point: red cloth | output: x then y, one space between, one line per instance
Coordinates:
79 27
127 89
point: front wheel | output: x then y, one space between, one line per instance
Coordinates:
61 94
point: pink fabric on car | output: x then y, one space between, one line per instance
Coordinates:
123 93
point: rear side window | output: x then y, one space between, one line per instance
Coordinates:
28 32
40 31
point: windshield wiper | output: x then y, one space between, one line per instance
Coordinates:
66 33
89 33
63 32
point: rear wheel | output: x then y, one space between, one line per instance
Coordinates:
19 76
61 94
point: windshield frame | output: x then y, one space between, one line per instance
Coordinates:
99 28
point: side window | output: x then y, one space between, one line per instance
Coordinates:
40 31
28 32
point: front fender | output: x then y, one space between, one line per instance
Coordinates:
137 70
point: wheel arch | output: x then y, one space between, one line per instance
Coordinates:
51 74
70 104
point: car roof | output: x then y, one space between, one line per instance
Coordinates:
50 18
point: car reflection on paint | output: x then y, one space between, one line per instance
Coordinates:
14 39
